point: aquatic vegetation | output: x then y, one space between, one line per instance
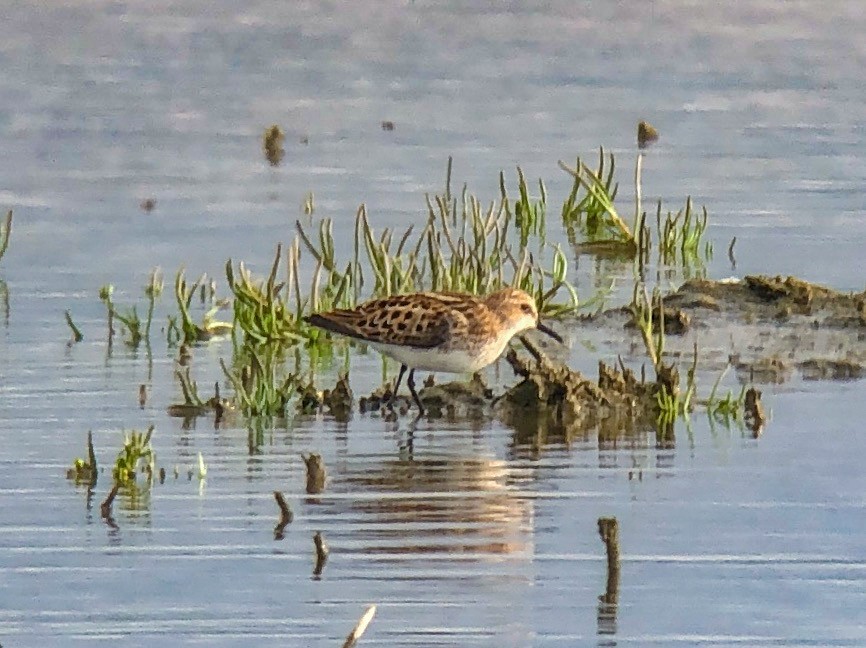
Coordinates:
188 332
529 215
725 410
649 316
77 336
679 237
595 213
129 319
135 332
261 386
153 290
309 206
136 454
5 233
261 315
85 471
462 247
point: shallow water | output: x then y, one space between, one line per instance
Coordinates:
463 534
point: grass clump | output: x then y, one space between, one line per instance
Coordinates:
188 332
261 314
135 454
85 471
261 386
590 210
136 331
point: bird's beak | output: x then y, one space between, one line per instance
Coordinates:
549 331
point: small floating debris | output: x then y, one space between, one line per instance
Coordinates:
272 142
286 515
608 531
387 125
316 474
754 411
360 627
646 134
148 205
142 395
322 552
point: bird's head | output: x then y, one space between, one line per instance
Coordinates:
518 311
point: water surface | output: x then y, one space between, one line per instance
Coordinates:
463 534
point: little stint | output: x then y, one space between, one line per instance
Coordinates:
437 331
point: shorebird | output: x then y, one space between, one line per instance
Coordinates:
437 331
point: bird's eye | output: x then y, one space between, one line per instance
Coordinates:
526 308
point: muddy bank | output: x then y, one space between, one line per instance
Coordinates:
771 329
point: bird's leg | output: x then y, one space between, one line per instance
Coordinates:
411 382
397 386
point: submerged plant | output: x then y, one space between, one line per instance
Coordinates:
129 319
136 453
729 409
261 384
188 332
77 336
85 470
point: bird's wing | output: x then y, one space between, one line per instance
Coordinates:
422 322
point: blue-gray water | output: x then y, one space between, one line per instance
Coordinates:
478 537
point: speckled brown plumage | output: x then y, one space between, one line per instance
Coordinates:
438 331
419 320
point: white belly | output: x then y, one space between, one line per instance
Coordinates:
455 361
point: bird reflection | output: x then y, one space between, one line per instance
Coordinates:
449 504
